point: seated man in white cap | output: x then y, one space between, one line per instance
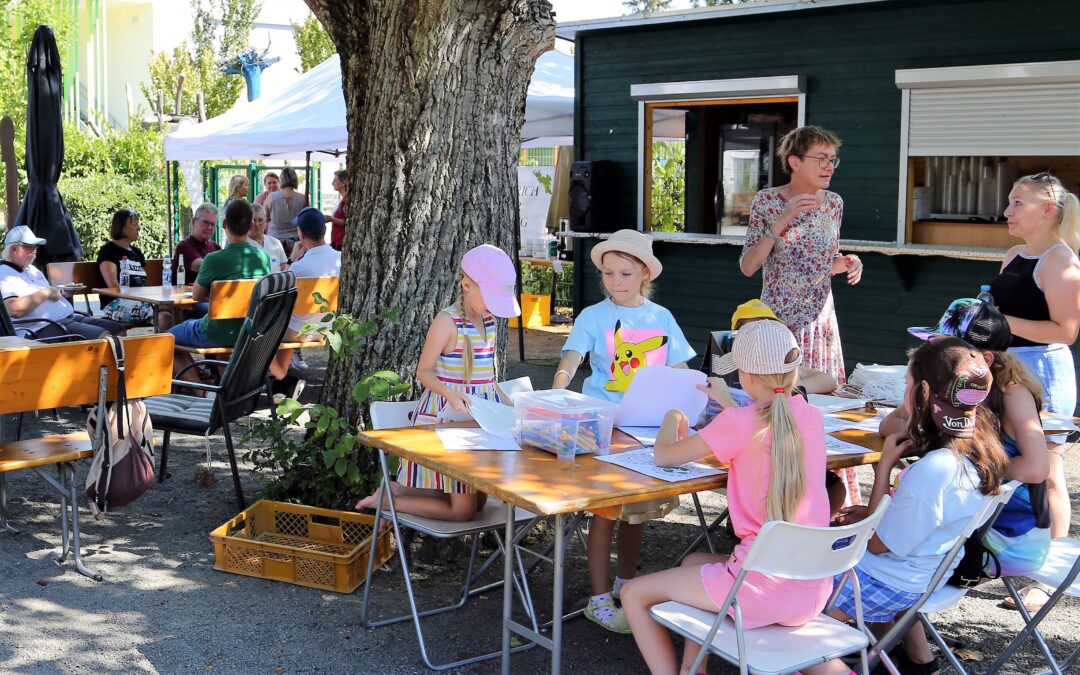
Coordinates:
28 295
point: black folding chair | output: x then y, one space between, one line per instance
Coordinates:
246 376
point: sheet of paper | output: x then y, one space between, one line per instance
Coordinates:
834 424
658 389
493 417
641 461
831 404
448 414
474 439
835 446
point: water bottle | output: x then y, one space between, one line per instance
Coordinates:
125 273
181 275
984 294
166 275
275 264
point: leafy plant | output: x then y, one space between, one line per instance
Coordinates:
312 43
668 186
319 461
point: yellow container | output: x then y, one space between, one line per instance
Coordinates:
535 310
303 545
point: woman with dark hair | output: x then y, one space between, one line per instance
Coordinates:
123 231
282 206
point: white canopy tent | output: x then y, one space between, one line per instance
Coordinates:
309 115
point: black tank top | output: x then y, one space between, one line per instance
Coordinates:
1016 293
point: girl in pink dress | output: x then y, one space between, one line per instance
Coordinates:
775 452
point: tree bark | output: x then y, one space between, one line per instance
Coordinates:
435 99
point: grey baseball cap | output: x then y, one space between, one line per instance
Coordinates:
22 235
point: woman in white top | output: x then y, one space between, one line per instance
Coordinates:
270 244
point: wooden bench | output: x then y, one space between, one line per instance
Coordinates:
88 274
230 299
40 376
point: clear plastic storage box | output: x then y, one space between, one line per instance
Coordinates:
564 422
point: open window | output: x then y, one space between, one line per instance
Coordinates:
707 147
968 132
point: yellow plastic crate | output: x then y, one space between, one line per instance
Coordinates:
304 545
535 310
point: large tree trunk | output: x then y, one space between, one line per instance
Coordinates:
435 99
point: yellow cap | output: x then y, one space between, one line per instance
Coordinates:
751 309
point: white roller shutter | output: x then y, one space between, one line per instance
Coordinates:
1011 110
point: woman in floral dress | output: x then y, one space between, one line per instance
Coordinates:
794 238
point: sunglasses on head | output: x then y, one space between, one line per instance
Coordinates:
131 213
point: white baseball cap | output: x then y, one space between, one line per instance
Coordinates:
761 348
22 235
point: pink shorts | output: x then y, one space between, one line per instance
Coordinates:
766 600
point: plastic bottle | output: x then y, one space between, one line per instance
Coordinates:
181 274
275 264
125 273
166 276
984 294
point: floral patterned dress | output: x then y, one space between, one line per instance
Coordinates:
797 282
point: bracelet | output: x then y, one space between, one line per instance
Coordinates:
772 235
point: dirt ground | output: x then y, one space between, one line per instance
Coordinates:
163 608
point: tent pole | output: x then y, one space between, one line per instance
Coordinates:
169 208
517 269
307 177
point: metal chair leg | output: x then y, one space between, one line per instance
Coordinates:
932 630
234 467
4 523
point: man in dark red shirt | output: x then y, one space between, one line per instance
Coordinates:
194 248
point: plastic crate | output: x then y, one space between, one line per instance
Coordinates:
535 309
304 545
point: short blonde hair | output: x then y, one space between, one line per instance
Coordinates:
646 284
798 142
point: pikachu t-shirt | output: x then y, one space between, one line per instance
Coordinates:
620 341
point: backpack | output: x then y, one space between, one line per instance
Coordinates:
123 465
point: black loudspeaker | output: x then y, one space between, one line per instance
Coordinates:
592 196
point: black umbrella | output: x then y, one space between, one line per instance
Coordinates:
43 209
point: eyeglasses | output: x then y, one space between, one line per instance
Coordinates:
208 223
823 161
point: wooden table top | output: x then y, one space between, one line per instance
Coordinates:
12 341
540 482
44 451
155 295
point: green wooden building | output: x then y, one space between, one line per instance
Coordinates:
939 103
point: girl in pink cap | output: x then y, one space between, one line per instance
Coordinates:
775 452
457 361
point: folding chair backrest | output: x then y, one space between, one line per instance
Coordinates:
231 299
989 506
86 272
391 414
269 309
793 551
7 329
153 268
307 287
516 386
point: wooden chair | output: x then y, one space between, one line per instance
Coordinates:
230 300
60 375
245 377
85 273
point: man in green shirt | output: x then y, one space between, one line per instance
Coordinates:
240 259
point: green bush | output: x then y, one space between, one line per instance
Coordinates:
93 199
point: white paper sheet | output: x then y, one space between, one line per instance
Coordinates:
834 424
658 389
641 461
1056 422
835 446
474 439
448 414
832 404
493 417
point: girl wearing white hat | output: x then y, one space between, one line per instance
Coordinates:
621 334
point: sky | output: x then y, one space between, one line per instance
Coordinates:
577 10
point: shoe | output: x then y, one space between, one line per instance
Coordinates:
607 615
1034 597
289 387
298 361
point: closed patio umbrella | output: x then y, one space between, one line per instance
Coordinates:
43 209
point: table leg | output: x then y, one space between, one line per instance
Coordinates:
76 545
508 589
69 495
3 506
557 597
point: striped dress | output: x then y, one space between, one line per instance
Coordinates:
450 369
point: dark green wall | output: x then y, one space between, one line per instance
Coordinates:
849 56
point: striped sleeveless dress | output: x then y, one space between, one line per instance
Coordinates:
450 369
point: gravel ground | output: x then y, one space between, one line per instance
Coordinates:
163 608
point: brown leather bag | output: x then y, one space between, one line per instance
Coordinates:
123 465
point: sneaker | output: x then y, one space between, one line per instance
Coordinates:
290 387
609 616
298 361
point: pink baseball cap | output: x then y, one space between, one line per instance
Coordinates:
493 272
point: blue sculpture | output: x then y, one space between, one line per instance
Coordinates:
250 64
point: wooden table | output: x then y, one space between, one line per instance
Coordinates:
155 295
15 341
539 482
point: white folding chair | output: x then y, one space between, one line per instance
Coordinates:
386 415
516 386
787 551
1060 573
935 598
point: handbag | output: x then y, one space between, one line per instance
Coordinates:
972 568
123 465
